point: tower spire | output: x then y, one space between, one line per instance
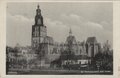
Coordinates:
38 10
38 6
38 17
70 32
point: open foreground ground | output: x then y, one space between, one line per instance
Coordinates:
60 72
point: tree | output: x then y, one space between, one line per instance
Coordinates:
105 60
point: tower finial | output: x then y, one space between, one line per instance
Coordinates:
70 32
38 6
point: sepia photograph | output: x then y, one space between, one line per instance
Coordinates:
59 38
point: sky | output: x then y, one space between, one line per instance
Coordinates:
86 19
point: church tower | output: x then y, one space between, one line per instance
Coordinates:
39 31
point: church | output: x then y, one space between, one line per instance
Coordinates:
49 51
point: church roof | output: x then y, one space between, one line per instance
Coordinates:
48 40
91 40
71 40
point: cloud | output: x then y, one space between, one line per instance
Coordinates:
19 18
18 30
107 25
93 25
54 23
57 29
71 19
83 28
76 20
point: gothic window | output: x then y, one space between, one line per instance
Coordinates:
35 28
33 33
36 33
51 52
80 51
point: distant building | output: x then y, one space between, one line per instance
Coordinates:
11 57
78 61
71 43
92 46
